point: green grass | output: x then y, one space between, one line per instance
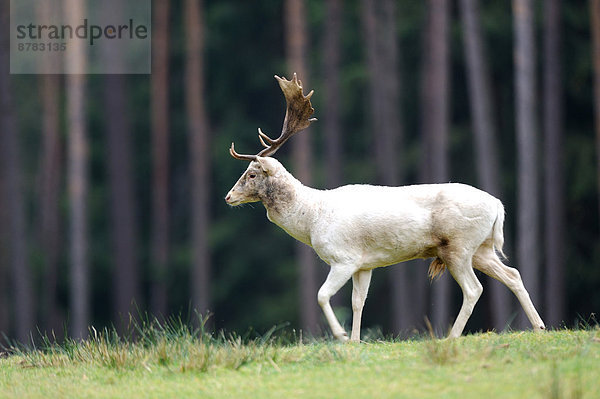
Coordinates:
176 361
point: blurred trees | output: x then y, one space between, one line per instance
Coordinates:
145 175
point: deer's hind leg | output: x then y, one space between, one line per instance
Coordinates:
487 261
459 264
471 288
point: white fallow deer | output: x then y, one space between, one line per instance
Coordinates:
357 228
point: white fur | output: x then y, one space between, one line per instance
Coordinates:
357 228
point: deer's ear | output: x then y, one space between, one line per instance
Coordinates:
268 165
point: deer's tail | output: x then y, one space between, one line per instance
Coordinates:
498 230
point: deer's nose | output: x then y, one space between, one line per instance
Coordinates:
228 197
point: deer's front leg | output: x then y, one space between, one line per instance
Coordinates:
337 277
360 285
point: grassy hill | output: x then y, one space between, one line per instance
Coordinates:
176 363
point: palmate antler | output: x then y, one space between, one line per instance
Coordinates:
297 118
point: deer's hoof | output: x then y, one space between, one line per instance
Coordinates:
342 337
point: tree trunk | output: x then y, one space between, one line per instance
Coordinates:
77 176
4 259
50 181
332 93
50 173
199 153
595 22
126 275
527 143
379 22
10 168
484 133
553 162
78 190
435 122
296 38
379 19
160 157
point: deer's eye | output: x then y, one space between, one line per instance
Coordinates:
252 175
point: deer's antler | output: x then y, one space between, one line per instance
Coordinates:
297 118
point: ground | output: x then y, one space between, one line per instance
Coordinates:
555 364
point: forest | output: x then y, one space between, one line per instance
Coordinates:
112 185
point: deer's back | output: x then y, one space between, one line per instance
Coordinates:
386 225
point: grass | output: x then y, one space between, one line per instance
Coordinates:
177 361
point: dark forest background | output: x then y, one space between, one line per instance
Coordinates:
112 186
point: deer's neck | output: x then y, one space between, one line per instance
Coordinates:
292 206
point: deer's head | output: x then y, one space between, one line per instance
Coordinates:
259 179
